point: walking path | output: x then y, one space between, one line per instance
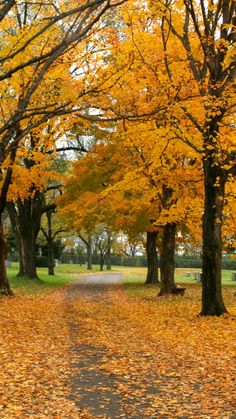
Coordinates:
93 389
96 388
124 367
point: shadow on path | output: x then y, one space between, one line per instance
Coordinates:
94 390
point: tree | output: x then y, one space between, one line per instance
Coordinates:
39 46
87 239
139 92
51 233
184 79
103 243
167 259
27 200
120 182
131 246
83 205
152 260
25 218
29 193
207 35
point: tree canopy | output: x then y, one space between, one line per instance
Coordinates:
153 86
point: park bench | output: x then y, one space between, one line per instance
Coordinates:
178 290
233 276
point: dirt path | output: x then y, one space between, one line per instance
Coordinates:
125 366
93 390
96 388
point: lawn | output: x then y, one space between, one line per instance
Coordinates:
134 282
137 275
134 278
64 274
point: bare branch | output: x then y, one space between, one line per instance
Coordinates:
61 230
6 8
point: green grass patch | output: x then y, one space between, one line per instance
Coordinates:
138 275
134 281
64 274
180 276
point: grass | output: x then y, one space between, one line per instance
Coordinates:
137 275
64 274
134 281
134 278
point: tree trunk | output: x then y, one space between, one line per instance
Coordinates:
102 259
108 254
50 258
214 182
4 284
152 261
109 261
25 218
50 244
21 267
12 215
89 253
25 224
28 254
167 259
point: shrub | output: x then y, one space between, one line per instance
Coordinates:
41 261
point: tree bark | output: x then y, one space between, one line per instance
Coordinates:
28 254
89 253
108 254
214 183
152 261
21 266
50 258
25 217
88 244
167 259
4 283
50 244
11 213
102 258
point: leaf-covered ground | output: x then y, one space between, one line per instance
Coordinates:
88 352
34 351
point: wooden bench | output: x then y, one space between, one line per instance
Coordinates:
178 290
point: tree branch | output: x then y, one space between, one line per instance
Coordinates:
6 8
